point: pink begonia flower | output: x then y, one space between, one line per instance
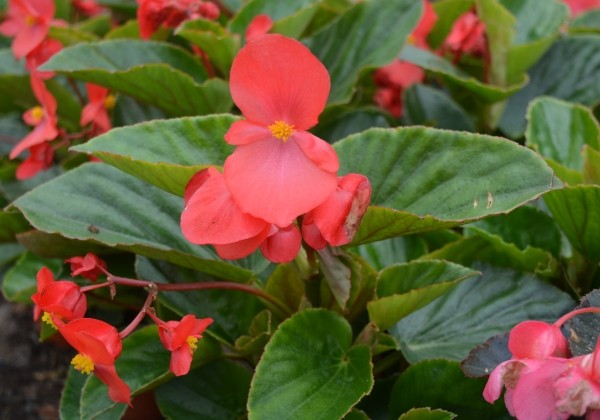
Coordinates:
29 22
336 221
181 338
152 14
260 25
62 299
282 244
40 158
40 55
278 170
96 111
42 117
89 266
578 7
578 390
466 37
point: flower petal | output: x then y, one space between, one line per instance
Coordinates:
276 181
283 246
536 340
181 360
118 390
318 151
243 248
244 132
274 78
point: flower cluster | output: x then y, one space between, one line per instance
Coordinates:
29 22
542 381
63 305
279 171
153 14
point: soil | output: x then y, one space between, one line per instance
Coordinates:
32 374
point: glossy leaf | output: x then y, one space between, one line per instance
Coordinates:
215 391
441 384
475 310
115 209
141 348
570 70
156 73
276 10
70 401
165 153
432 179
20 281
370 34
577 212
310 370
406 288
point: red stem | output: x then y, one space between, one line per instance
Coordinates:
141 314
565 318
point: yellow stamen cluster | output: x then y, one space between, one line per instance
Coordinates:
48 320
37 113
110 101
412 40
30 20
281 130
193 343
83 363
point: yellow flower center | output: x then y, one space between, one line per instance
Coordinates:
83 363
193 343
281 130
29 20
37 112
48 320
412 40
110 101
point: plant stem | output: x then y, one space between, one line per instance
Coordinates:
565 318
142 313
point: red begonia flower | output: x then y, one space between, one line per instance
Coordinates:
419 35
89 266
278 170
578 7
42 117
466 37
88 7
392 80
336 220
260 25
40 55
29 22
40 158
152 14
98 344
282 244
96 111
181 338
63 299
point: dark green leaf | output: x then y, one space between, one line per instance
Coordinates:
69 36
20 281
335 123
310 370
430 179
586 22
165 153
276 10
485 357
110 207
11 223
215 391
370 34
70 401
55 246
591 165
475 310
384 253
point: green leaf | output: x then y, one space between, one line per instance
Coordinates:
441 384
339 122
231 311
405 288
287 284
70 401
165 153
577 212
427 414
143 365
384 253
98 25
424 105
310 370
570 70
159 74
558 130
55 246
276 10
456 78
220 45
485 357
431 179
11 223
215 391
70 36
591 165
9 252
586 22
582 330
370 34
20 281
110 207
475 310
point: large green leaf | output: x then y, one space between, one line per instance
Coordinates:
156 73
143 364
456 78
396 250
20 281
405 288
475 310
577 212
338 122
426 179
215 391
586 22
370 34
310 370
165 153
99 203
570 70
276 10
558 130
441 384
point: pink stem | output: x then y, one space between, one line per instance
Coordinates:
564 318
141 314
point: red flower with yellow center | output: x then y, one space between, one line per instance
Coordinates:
29 22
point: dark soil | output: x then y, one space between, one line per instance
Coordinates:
32 374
